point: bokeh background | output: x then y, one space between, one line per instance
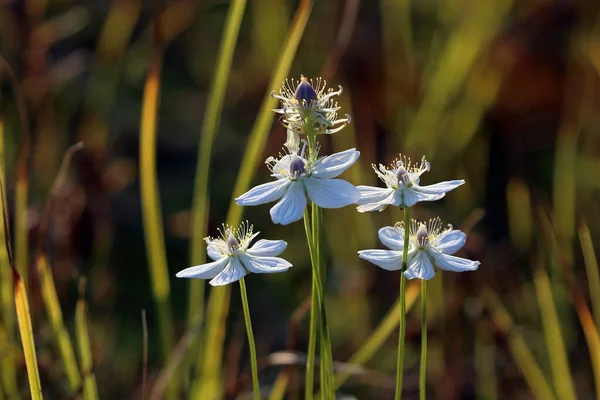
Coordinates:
501 93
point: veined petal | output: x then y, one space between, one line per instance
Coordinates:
374 198
291 206
234 272
267 248
440 188
420 267
413 195
454 264
392 237
331 193
264 265
282 167
450 241
265 193
204 271
333 165
215 250
390 260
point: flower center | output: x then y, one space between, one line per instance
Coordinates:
297 167
232 244
422 235
305 92
402 176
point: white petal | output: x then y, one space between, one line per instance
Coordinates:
331 193
449 242
420 267
267 248
291 206
440 188
233 272
386 259
374 198
455 264
204 271
413 195
264 265
333 165
392 237
264 193
214 251
293 141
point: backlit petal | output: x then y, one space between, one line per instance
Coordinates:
392 237
441 188
420 267
265 193
374 198
204 271
267 248
390 260
455 264
449 242
291 206
264 265
413 195
331 193
333 165
234 272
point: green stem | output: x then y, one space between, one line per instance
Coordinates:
402 334
251 345
423 369
312 344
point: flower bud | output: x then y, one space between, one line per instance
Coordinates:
297 167
305 92
402 175
232 243
422 235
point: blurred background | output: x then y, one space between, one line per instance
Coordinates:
503 94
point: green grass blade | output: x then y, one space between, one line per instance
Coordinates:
219 298
590 331
559 364
591 269
151 206
522 355
90 389
24 319
210 126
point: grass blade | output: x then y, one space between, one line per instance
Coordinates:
219 298
557 352
210 126
151 207
591 269
519 349
90 389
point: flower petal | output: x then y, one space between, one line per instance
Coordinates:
214 251
264 193
264 265
204 271
374 198
291 206
450 241
420 267
293 141
390 260
455 264
331 193
411 196
267 248
440 188
333 165
392 237
234 272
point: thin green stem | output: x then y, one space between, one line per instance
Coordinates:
251 345
402 333
423 369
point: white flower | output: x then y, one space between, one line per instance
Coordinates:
299 178
304 102
403 189
428 246
234 257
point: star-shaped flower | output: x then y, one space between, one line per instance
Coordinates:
403 187
235 257
299 178
428 246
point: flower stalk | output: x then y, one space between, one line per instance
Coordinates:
251 344
402 333
423 366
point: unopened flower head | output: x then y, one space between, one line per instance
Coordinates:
234 257
429 245
299 177
402 180
308 106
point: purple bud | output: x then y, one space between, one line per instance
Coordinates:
297 167
422 235
402 175
232 244
305 92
